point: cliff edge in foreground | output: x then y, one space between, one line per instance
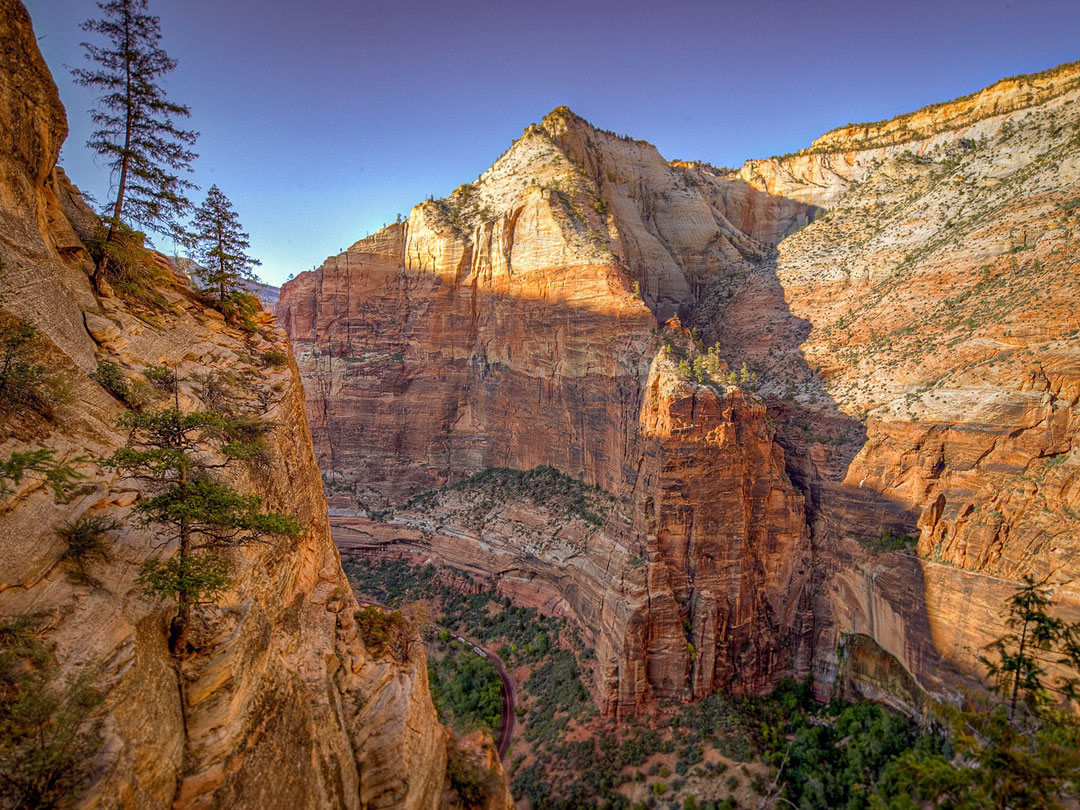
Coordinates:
280 704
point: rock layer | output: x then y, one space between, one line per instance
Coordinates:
922 346
515 325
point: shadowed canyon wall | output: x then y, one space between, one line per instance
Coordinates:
515 325
934 304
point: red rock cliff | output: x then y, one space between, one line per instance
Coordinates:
916 347
514 325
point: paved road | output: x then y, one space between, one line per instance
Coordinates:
509 702
509 699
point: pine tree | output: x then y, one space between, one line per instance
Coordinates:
1004 759
136 133
1036 638
220 245
169 450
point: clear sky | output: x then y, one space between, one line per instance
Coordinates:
323 119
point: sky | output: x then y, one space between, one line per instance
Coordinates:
321 120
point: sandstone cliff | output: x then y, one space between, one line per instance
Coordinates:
515 325
904 291
922 346
282 706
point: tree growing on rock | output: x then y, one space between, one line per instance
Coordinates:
1035 638
220 245
49 734
181 455
1022 751
136 132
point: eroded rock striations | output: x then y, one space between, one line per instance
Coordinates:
904 293
281 705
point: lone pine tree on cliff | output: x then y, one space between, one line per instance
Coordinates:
181 456
219 248
136 135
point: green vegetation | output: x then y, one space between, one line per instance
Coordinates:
219 244
705 366
543 486
275 358
1018 661
527 635
129 266
188 580
135 392
462 209
386 632
167 450
86 538
858 756
1022 752
48 733
840 755
25 382
557 696
472 783
887 541
465 688
136 135
112 378
60 476
875 138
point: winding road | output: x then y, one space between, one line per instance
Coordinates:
509 699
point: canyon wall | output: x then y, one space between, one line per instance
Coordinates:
515 325
902 296
922 348
280 705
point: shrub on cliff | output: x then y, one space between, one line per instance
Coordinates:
130 266
86 538
25 381
386 632
60 476
471 781
48 734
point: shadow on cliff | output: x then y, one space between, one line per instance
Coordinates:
820 444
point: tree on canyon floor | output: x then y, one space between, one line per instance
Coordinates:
220 245
136 131
171 450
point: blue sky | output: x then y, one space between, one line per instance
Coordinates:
322 120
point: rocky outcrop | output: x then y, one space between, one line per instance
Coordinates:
692 583
921 344
281 705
